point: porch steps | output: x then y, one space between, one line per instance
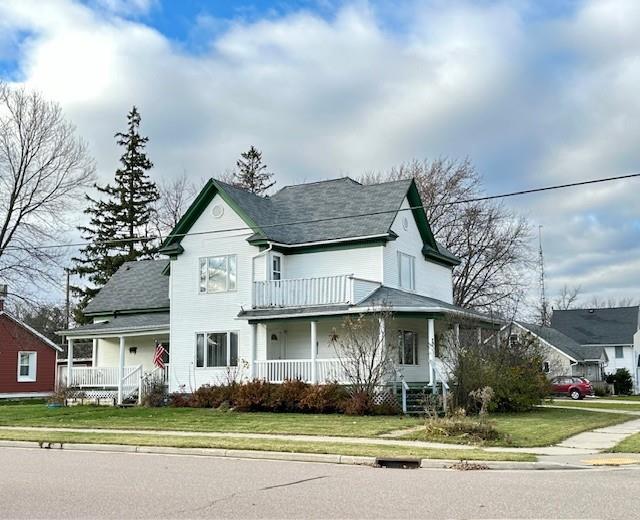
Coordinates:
415 397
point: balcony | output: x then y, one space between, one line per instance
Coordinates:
307 292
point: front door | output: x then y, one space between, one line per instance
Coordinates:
276 345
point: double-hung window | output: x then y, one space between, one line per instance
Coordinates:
407 347
26 367
217 349
218 274
276 267
406 271
619 353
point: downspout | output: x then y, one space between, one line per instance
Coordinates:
253 261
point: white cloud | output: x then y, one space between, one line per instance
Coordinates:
532 102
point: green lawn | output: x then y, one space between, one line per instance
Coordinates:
624 405
200 419
540 427
232 443
630 445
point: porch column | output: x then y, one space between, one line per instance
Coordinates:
94 353
382 338
120 370
69 360
314 351
431 345
253 341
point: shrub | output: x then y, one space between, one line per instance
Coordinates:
254 396
359 403
471 429
180 400
288 396
155 394
622 381
329 398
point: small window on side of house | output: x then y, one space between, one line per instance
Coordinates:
276 267
27 367
407 347
545 367
619 353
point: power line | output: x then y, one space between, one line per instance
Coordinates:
529 191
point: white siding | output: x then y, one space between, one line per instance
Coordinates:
363 262
192 312
432 279
109 352
625 362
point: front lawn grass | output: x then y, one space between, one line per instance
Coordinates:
539 427
630 445
234 443
201 419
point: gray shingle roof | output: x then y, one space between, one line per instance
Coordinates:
125 322
565 344
383 296
598 326
321 200
135 286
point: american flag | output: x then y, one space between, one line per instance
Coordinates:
158 355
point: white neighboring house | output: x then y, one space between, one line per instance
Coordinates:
255 286
563 356
616 330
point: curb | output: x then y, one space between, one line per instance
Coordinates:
352 460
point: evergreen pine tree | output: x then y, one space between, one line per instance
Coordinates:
119 219
252 175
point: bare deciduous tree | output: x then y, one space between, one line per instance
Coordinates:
601 303
567 299
366 357
492 241
44 167
175 197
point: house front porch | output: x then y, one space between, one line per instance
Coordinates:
122 358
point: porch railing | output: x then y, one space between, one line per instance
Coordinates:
300 292
96 377
279 370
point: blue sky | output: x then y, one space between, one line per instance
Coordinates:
533 92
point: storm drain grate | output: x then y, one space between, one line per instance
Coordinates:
395 463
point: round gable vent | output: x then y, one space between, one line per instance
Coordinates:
217 211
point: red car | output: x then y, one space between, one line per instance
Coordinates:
571 386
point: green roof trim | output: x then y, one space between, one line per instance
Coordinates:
171 246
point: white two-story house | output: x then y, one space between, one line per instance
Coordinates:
255 287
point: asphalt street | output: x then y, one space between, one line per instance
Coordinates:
38 483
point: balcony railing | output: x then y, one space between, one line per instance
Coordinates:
303 292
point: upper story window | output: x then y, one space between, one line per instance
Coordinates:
217 349
406 271
619 353
26 367
218 274
276 267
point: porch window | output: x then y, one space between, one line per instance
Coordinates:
218 274
26 367
406 271
407 347
276 267
217 349
619 353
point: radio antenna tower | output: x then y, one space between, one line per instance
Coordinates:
544 311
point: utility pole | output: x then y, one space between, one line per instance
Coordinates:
544 318
67 302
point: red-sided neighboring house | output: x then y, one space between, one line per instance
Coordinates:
27 360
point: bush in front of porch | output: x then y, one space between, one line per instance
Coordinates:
289 396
